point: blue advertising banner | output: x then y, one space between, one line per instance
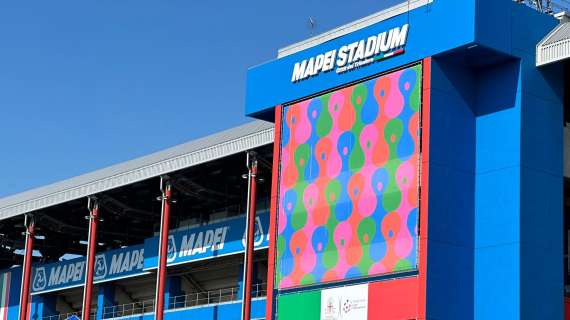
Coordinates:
213 240
217 239
110 265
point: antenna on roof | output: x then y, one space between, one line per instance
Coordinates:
312 24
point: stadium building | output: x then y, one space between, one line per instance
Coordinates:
409 165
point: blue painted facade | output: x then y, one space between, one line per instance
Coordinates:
225 311
495 221
128 262
495 242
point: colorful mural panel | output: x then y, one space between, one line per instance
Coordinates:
348 182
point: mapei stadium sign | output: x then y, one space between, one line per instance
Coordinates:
354 55
218 239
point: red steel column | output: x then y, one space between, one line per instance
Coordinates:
93 217
162 249
250 233
270 300
27 267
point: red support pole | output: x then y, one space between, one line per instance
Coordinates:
163 250
270 299
250 233
27 268
91 251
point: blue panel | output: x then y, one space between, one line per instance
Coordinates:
110 265
542 144
497 207
42 306
213 240
451 189
15 283
450 286
270 84
497 192
105 298
227 311
497 283
173 288
542 265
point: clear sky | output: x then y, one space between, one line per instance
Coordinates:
84 85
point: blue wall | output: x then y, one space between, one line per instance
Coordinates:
451 188
227 311
439 27
495 185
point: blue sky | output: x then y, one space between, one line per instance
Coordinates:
84 85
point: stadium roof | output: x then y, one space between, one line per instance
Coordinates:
216 146
385 14
556 45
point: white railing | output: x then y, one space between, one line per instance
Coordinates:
553 52
183 301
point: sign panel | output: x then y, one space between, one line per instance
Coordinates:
213 240
357 54
5 279
348 182
109 265
345 303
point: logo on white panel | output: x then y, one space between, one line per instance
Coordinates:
100 267
171 251
40 279
345 303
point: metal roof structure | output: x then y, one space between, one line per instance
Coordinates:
556 45
388 13
212 147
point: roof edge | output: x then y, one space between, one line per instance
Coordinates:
222 144
352 26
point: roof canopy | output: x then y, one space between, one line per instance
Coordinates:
556 45
216 146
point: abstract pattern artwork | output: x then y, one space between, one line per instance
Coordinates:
349 182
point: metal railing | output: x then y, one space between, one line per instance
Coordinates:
553 52
183 301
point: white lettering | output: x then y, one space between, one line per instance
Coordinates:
351 49
54 276
310 68
399 37
78 271
352 56
370 47
134 260
62 275
299 71
386 42
359 54
116 262
198 244
329 60
187 245
208 240
342 56
125 265
221 245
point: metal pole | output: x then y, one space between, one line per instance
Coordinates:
166 189
250 233
93 217
27 266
